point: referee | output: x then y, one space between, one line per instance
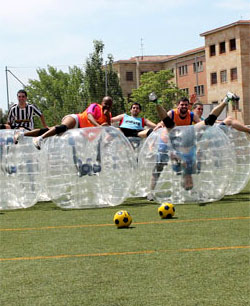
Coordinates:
21 114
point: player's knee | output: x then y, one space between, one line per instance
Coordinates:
169 123
157 171
149 132
228 121
210 120
61 128
42 131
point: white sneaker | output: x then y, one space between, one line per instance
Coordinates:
18 135
150 197
152 97
230 97
37 141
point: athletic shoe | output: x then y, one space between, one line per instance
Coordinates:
37 141
152 97
97 168
18 135
231 97
150 197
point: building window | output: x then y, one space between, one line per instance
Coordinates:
199 90
232 44
183 70
223 76
213 78
129 76
212 50
186 91
222 47
198 65
233 74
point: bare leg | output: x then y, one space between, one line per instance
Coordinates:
68 121
236 124
218 109
187 181
158 168
162 113
156 174
144 133
33 133
215 112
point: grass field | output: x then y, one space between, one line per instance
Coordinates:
51 256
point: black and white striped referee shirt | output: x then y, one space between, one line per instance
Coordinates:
23 117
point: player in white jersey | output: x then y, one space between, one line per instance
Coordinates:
21 114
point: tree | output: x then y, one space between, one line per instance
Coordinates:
57 93
94 76
160 83
3 116
113 88
100 79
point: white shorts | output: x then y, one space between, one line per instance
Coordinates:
77 125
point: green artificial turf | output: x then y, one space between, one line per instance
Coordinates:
51 256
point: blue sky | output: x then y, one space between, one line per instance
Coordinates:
60 33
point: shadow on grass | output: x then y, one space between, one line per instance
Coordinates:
41 206
243 196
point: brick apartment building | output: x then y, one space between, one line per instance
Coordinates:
204 73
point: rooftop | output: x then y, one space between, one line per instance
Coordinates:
159 58
239 22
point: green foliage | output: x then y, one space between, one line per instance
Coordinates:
113 88
160 83
101 80
94 76
3 116
58 93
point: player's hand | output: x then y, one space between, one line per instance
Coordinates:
108 116
159 126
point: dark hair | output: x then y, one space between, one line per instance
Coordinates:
136 104
183 99
22 91
107 99
196 104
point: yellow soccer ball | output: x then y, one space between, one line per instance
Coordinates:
122 219
166 210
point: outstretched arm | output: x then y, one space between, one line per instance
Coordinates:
149 123
117 118
92 120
